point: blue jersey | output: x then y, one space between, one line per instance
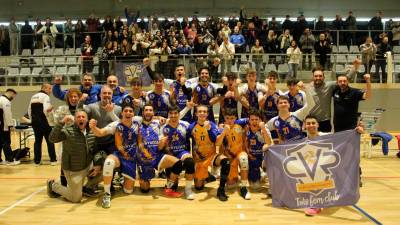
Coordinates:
177 137
149 137
181 99
252 98
129 137
128 100
289 129
203 95
255 142
270 107
296 102
160 102
227 103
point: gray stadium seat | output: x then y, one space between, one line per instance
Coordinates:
70 51
340 69
26 52
48 61
59 61
270 67
38 52
354 49
71 61
58 51
396 49
343 49
283 68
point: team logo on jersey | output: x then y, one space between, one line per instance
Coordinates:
253 141
198 89
310 164
166 130
151 96
299 99
276 123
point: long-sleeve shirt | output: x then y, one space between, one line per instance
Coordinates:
93 93
5 113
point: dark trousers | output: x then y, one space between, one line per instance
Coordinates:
40 132
325 126
380 63
87 66
5 144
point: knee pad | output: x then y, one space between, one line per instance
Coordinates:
128 191
188 164
177 168
108 167
243 162
225 166
145 191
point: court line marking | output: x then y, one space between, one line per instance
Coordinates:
367 215
21 201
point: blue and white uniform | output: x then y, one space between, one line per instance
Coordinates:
297 101
160 102
178 142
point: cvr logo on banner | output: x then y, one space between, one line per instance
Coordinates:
310 164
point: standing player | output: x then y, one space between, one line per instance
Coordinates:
229 100
136 98
174 135
205 93
288 124
159 98
268 99
234 148
296 96
249 93
204 135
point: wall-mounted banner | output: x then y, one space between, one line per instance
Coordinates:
321 172
126 70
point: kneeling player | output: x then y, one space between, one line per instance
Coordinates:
150 158
174 136
234 149
204 135
126 132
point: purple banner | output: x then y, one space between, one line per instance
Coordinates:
126 70
321 172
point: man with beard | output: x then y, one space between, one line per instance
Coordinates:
345 102
104 112
79 153
205 93
118 91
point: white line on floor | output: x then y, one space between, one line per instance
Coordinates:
242 216
21 201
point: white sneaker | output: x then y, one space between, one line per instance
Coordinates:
53 163
37 164
189 194
3 163
15 162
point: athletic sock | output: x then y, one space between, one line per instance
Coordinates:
107 188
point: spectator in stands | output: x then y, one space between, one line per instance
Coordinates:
351 27
27 36
92 28
380 64
274 25
237 39
299 27
376 26
251 35
41 113
337 26
294 55
165 51
126 49
90 91
49 31
79 33
131 17
345 102
87 53
287 24
257 50
320 25
284 43
13 32
213 69
6 123
322 49
307 42
108 24
271 46
227 52
368 51
396 34
68 30
38 37
104 69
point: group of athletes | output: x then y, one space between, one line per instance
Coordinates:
173 128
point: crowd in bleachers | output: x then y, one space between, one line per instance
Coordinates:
290 45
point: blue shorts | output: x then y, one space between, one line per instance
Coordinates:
128 167
179 154
147 169
254 168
